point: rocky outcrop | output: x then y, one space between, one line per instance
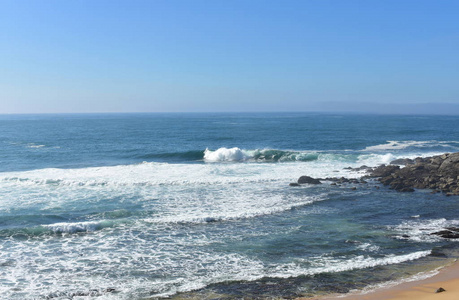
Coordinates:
402 161
440 173
448 233
334 180
307 179
383 170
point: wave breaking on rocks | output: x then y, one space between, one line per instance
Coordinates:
439 173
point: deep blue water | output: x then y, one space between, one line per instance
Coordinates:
132 206
111 139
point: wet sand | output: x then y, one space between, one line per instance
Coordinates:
425 289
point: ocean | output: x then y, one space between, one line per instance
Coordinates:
198 206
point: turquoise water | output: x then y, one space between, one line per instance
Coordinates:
138 206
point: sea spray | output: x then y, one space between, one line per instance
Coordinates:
150 205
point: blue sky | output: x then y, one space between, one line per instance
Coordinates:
148 56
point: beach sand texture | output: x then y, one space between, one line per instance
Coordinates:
447 278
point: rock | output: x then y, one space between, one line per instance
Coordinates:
437 173
455 229
402 161
353 188
406 190
447 234
210 220
440 290
383 170
293 184
451 163
309 180
361 168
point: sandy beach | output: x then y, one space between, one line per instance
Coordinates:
425 289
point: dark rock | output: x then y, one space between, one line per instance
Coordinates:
383 170
438 173
402 161
447 234
451 236
451 163
406 190
455 229
307 179
361 168
293 184
440 290
353 188
210 220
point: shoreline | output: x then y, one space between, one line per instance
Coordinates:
446 277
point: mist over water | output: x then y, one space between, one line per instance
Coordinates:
153 205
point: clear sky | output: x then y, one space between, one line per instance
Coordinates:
192 55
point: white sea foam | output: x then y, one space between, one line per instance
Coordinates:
77 226
232 207
225 154
421 230
401 145
66 188
156 241
326 264
32 145
375 159
263 155
368 247
160 251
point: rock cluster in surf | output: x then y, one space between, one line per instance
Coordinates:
439 173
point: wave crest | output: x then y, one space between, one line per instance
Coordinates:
76 227
264 155
404 145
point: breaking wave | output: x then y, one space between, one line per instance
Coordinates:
59 228
88 226
265 155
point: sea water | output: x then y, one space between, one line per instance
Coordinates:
145 206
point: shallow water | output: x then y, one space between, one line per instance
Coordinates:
194 205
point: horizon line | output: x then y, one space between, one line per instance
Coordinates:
349 112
